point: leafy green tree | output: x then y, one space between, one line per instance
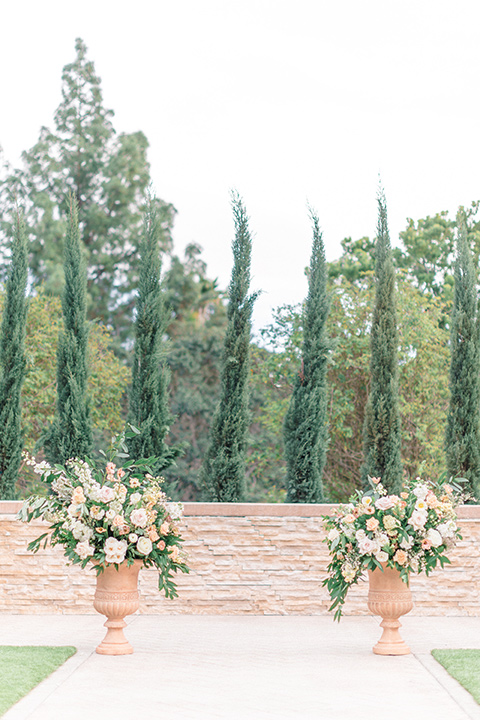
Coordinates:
108 174
149 408
196 331
223 470
106 386
462 439
382 417
306 422
70 435
356 261
12 363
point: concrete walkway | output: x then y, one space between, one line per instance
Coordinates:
244 668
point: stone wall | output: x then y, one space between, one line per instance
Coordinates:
258 559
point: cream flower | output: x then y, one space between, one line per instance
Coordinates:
139 518
115 550
389 522
144 545
332 535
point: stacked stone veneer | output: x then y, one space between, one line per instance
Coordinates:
258 559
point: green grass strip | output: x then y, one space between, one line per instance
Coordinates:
24 667
464 666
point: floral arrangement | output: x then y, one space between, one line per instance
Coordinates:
106 516
410 532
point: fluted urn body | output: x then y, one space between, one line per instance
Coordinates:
116 596
390 597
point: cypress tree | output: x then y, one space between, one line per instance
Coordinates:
462 437
70 434
12 362
381 431
306 427
149 407
223 469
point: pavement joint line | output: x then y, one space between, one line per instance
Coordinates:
24 708
456 691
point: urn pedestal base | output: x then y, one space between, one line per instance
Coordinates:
117 596
390 598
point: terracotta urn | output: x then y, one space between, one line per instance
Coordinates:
116 596
390 598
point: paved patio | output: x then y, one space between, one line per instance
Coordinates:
248 668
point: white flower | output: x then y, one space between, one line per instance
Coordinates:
74 511
381 556
115 550
366 500
420 492
406 543
135 498
367 546
360 535
434 537
110 514
175 510
107 494
382 539
418 519
97 512
385 503
84 550
139 518
447 529
144 545
81 531
117 507
133 537
333 534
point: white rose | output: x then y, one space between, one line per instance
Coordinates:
110 514
135 498
418 519
107 494
381 556
360 535
434 537
84 550
367 546
139 518
382 539
144 545
133 537
333 534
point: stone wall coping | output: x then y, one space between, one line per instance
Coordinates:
192 509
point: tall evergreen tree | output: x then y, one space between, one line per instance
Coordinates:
305 431
108 174
12 363
223 469
381 431
149 408
70 434
462 437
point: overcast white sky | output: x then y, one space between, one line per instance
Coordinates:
286 101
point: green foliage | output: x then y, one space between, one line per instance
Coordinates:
306 422
382 416
223 470
149 410
70 435
356 261
12 363
109 174
462 438
23 668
